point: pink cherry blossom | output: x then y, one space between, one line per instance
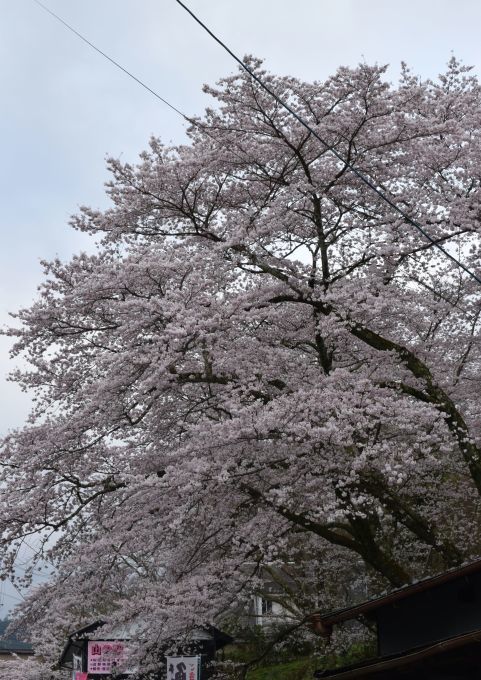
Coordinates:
262 364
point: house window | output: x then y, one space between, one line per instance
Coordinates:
266 607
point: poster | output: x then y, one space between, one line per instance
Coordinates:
183 668
105 657
76 666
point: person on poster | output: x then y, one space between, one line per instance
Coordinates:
178 672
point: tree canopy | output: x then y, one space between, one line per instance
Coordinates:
261 360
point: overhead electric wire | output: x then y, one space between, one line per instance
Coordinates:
280 101
115 63
347 164
12 597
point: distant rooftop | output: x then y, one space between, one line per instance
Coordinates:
11 643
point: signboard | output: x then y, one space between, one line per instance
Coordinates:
76 666
81 676
104 657
183 668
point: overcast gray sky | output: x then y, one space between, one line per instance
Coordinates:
64 107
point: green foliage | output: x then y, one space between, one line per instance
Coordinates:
299 669
356 652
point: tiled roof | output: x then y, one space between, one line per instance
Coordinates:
11 643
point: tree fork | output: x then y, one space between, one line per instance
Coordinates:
357 538
411 519
434 394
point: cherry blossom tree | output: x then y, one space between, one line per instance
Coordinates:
27 669
260 361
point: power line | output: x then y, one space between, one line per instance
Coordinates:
115 63
280 101
347 164
18 591
11 597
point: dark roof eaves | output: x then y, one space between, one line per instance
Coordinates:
28 651
347 613
378 664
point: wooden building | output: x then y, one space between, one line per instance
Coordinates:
429 630
95 656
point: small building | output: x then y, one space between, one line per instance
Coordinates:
272 604
429 630
94 656
11 646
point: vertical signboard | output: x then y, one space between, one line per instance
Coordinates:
76 666
183 668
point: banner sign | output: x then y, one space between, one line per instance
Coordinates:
183 668
106 657
76 667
